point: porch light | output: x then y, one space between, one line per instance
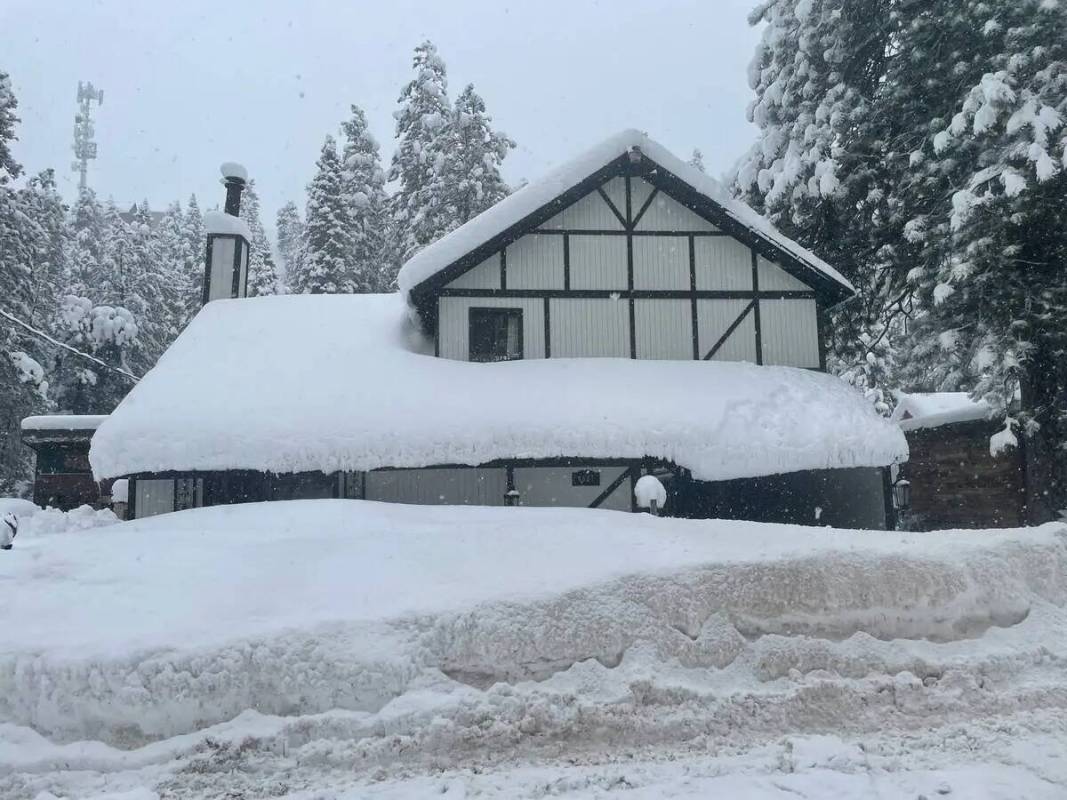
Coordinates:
902 494
226 271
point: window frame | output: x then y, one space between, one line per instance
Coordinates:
490 312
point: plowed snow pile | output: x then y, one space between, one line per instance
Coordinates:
323 649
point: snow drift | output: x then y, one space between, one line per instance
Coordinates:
342 382
163 626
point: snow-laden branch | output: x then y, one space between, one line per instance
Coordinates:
42 335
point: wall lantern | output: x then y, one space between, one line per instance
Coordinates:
902 494
226 270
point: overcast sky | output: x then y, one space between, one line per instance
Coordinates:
191 83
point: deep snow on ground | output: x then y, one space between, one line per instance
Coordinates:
323 649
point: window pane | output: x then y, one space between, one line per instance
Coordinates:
495 334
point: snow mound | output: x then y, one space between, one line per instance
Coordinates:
369 620
249 385
36 521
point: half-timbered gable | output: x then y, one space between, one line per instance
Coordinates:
631 261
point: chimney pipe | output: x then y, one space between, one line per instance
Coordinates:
234 178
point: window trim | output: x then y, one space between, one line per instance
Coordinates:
509 311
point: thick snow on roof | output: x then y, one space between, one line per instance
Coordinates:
63 422
933 409
509 211
332 382
220 222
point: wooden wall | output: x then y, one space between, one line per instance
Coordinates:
629 272
956 483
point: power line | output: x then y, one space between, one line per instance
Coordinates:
42 335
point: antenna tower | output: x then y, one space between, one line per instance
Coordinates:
84 146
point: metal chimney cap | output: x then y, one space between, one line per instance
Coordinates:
231 169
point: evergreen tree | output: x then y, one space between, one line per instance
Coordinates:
172 247
990 232
364 194
323 266
22 240
290 231
85 245
471 180
818 169
195 249
9 168
106 332
920 149
420 213
262 274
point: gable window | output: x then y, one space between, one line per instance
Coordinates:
495 334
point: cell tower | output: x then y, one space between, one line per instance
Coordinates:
84 146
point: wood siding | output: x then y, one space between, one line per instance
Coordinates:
790 334
553 486
455 324
589 328
629 272
956 483
458 487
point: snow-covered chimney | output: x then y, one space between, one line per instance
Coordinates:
226 270
234 178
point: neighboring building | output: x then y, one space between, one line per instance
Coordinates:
62 476
616 299
954 480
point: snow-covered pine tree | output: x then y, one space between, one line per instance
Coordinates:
109 333
140 287
9 167
819 167
990 230
471 179
22 380
41 202
195 249
323 266
290 229
364 188
85 245
420 214
262 273
173 249
697 160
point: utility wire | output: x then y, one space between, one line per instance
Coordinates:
41 334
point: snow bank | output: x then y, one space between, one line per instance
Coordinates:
36 521
333 382
535 195
403 614
933 409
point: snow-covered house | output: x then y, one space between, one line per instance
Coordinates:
623 315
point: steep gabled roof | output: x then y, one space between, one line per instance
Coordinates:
631 152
